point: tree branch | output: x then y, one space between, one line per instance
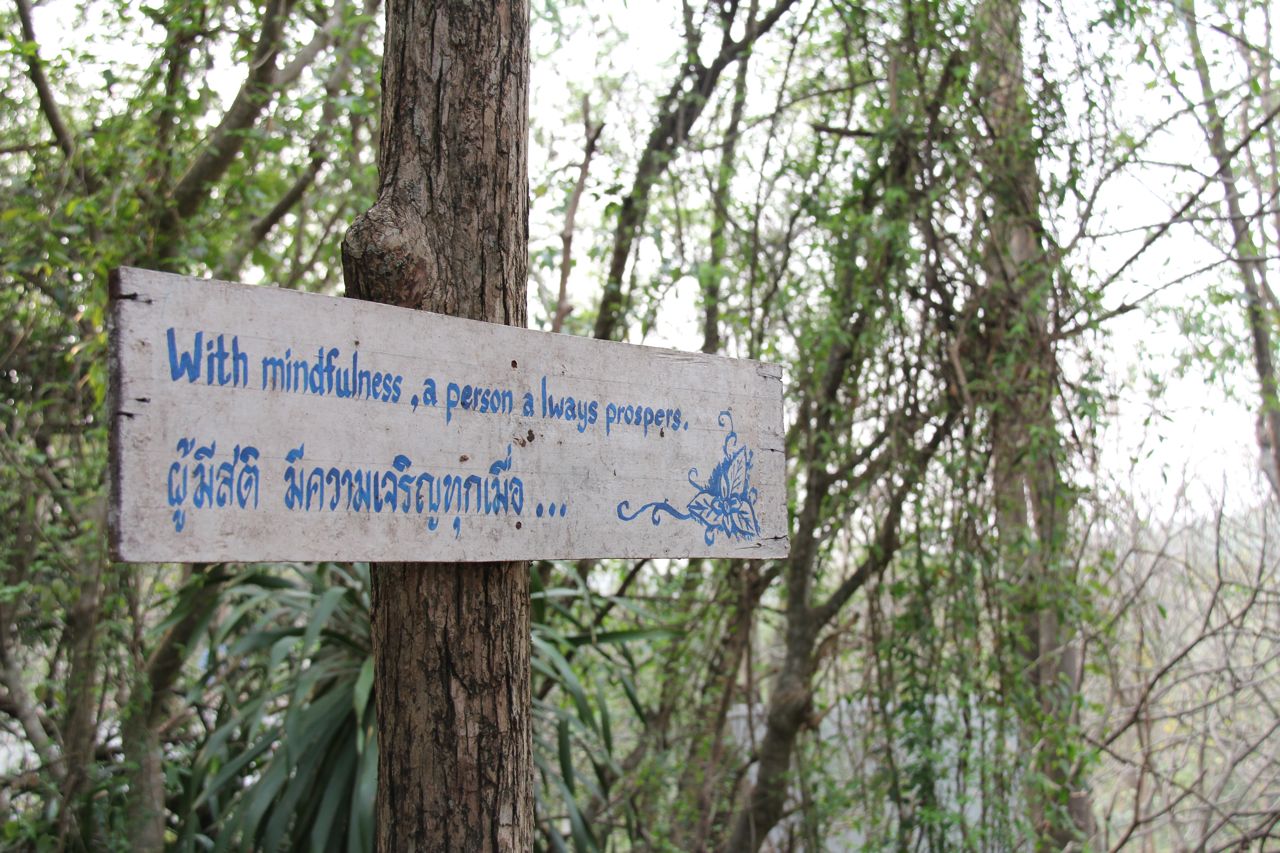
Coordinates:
226 140
886 542
563 308
231 266
324 37
678 111
44 92
17 703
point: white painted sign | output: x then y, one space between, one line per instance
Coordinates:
252 423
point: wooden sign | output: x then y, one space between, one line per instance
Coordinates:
254 424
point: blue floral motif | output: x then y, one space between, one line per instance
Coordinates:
725 504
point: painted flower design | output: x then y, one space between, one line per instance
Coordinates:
724 504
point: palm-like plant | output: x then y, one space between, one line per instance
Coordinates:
290 756
291 762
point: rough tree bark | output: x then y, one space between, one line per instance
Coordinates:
449 234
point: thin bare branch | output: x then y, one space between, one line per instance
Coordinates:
592 136
44 92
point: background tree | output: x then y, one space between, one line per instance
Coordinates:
129 179
1021 302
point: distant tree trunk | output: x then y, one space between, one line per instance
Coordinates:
1249 259
711 275
1031 500
449 234
703 789
149 701
864 290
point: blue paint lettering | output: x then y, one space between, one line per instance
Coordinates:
298 375
208 484
185 362
644 417
584 412
484 401
216 355
396 489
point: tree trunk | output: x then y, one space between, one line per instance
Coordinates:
1031 500
712 274
449 234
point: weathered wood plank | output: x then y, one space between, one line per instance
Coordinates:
252 423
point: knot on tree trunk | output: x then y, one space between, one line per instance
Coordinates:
386 257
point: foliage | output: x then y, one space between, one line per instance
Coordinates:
289 678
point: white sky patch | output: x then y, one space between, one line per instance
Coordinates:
1175 418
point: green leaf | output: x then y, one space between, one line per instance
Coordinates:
361 829
629 687
564 745
320 616
568 680
337 788
364 684
237 764
606 725
583 840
